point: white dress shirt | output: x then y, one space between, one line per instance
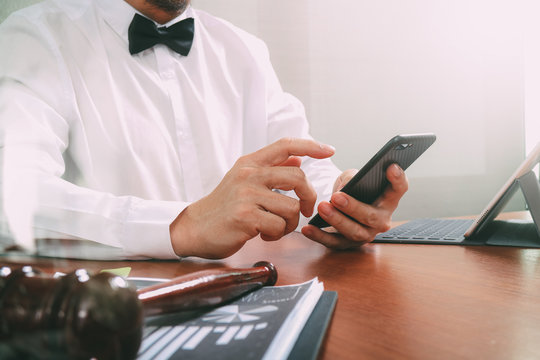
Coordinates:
101 145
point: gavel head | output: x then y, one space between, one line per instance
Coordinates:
84 316
105 319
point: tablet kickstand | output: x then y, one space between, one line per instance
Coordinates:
530 187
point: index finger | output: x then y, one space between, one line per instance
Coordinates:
279 151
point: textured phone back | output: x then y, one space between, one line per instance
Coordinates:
403 150
369 183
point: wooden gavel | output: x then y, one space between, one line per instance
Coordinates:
83 316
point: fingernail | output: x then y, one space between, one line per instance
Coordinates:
328 148
340 200
397 170
307 231
326 210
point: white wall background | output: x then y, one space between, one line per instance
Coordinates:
532 75
367 70
467 70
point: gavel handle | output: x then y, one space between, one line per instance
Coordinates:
205 289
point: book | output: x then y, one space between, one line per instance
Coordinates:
274 322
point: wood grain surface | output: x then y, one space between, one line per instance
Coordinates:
395 301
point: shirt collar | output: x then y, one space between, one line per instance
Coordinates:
118 14
186 14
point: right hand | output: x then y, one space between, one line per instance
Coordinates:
243 205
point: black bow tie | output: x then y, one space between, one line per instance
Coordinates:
143 34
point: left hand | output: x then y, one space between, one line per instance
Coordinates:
346 233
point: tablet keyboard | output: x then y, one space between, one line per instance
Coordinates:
428 230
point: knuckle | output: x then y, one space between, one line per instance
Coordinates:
241 160
338 221
372 218
402 185
297 175
370 237
276 230
405 185
281 224
286 141
358 236
242 214
294 207
362 236
385 226
246 192
300 175
244 219
292 224
245 173
292 219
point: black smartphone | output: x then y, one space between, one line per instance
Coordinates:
370 182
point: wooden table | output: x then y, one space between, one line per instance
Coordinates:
395 301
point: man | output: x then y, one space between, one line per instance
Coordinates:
162 152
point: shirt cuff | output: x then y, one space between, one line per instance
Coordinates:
146 229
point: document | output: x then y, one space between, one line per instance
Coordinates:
264 324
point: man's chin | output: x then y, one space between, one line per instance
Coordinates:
170 6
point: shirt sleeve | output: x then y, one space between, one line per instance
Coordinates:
35 113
